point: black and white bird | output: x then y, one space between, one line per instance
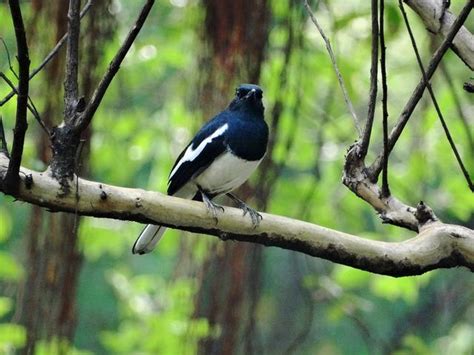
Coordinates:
220 158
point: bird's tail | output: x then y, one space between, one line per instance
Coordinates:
148 239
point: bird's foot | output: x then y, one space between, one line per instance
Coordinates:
254 215
212 207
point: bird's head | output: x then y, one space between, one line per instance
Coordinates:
248 97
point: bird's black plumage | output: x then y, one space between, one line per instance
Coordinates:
220 157
246 136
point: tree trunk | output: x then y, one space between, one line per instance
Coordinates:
235 38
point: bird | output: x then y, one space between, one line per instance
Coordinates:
220 158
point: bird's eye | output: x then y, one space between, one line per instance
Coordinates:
240 93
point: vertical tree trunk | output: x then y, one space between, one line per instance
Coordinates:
47 305
235 38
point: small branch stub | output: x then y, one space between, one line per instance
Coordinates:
424 214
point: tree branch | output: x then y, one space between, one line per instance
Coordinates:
3 141
31 106
71 89
437 245
11 179
435 102
48 58
391 210
439 20
365 141
459 108
383 72
84 120
395 133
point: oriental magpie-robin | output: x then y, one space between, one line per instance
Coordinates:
220 158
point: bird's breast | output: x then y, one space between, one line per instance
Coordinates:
225 174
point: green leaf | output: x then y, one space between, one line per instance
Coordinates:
5 305
10 269
11 336
5 225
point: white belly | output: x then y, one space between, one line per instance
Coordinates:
225 174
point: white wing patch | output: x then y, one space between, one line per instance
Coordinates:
191 153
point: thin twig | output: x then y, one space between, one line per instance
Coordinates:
415 97
48 58
71 88
336 68
8 53
30 105
11 179
459 109
34 111
84 120
3 141
433 98
383 71
364 146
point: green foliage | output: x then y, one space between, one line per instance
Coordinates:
6 225
12 336
58 346
460 340
11 270
157 316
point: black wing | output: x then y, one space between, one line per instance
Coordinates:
184 169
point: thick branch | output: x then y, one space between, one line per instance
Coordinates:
437 246
439 21
114 66
390 209
11 179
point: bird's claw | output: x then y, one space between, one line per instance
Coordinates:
254 215
213 208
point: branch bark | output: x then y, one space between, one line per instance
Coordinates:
439 20
71 87
437 245
365 139
65 138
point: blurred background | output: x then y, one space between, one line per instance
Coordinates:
70 285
